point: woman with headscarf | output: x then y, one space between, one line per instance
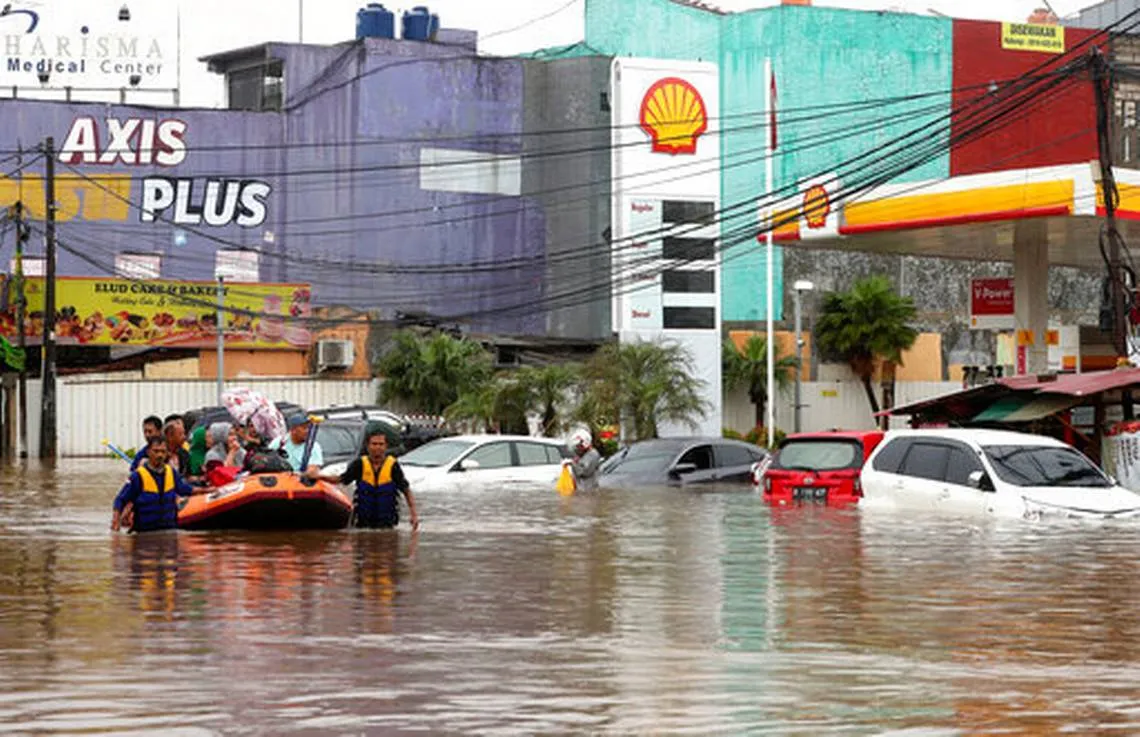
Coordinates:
225 449
197 452
226 456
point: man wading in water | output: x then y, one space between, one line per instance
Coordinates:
379 482
149 499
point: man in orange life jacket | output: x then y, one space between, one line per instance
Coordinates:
149 499
379 481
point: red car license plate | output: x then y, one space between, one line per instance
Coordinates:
809 494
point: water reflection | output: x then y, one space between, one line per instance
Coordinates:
517 611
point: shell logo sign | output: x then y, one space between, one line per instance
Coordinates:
817 206
674 116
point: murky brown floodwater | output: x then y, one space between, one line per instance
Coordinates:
654 611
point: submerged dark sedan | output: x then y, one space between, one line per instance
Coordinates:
681 461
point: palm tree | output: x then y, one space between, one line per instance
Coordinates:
749 367
431 373
548 391
639 385
498 405
867 322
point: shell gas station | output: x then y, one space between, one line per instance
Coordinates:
1033 218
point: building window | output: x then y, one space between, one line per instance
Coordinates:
257 88
689 318
687 282
685 211
33 266
237 266
689 249
137 265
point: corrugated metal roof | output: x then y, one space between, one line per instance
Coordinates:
1026 408
1076 385
1021 398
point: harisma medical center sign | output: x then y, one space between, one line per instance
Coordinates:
83 44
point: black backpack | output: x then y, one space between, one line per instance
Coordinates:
263 460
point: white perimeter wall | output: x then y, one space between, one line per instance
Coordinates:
91 410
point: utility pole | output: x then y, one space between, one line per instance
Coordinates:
47 408
1119 291
22 236
221 328
1102 83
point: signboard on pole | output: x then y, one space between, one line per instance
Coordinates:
991 304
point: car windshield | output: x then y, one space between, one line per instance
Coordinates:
819 455
436 453
338 441
1039 465
642 458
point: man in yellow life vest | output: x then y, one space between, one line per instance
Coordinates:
379 481
149 499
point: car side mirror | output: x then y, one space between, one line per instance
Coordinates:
980 481
468 464
681 469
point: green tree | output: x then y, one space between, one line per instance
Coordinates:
548 393
497 405
865 323
748 367
431 372
639 385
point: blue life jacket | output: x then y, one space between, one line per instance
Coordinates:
156 509
376 504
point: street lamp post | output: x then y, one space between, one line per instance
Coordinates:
800 287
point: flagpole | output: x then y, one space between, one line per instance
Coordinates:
768 176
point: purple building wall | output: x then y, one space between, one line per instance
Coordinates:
328 191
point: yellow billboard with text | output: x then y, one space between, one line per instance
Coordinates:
164 314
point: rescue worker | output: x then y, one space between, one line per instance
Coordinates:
379 481
149 499
586 462
152 428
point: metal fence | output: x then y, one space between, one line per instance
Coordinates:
829 405
93 410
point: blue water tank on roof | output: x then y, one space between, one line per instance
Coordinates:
375 21
420 24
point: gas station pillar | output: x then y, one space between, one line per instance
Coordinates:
1031 295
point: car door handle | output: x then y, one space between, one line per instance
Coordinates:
944 495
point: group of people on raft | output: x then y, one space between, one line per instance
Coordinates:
169 466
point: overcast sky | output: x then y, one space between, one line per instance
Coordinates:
216 25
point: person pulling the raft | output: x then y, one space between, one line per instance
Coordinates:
379 482
149 499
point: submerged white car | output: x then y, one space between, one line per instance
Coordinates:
484 461
990 472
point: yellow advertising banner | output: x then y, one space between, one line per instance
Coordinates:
1033 37
164 314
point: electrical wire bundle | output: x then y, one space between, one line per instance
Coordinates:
989 111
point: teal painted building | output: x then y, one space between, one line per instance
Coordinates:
847 81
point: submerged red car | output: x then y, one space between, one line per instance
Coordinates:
821 468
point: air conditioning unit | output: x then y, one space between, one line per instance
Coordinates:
335 354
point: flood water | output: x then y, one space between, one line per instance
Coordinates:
653 611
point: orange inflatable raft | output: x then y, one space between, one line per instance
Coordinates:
267 501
